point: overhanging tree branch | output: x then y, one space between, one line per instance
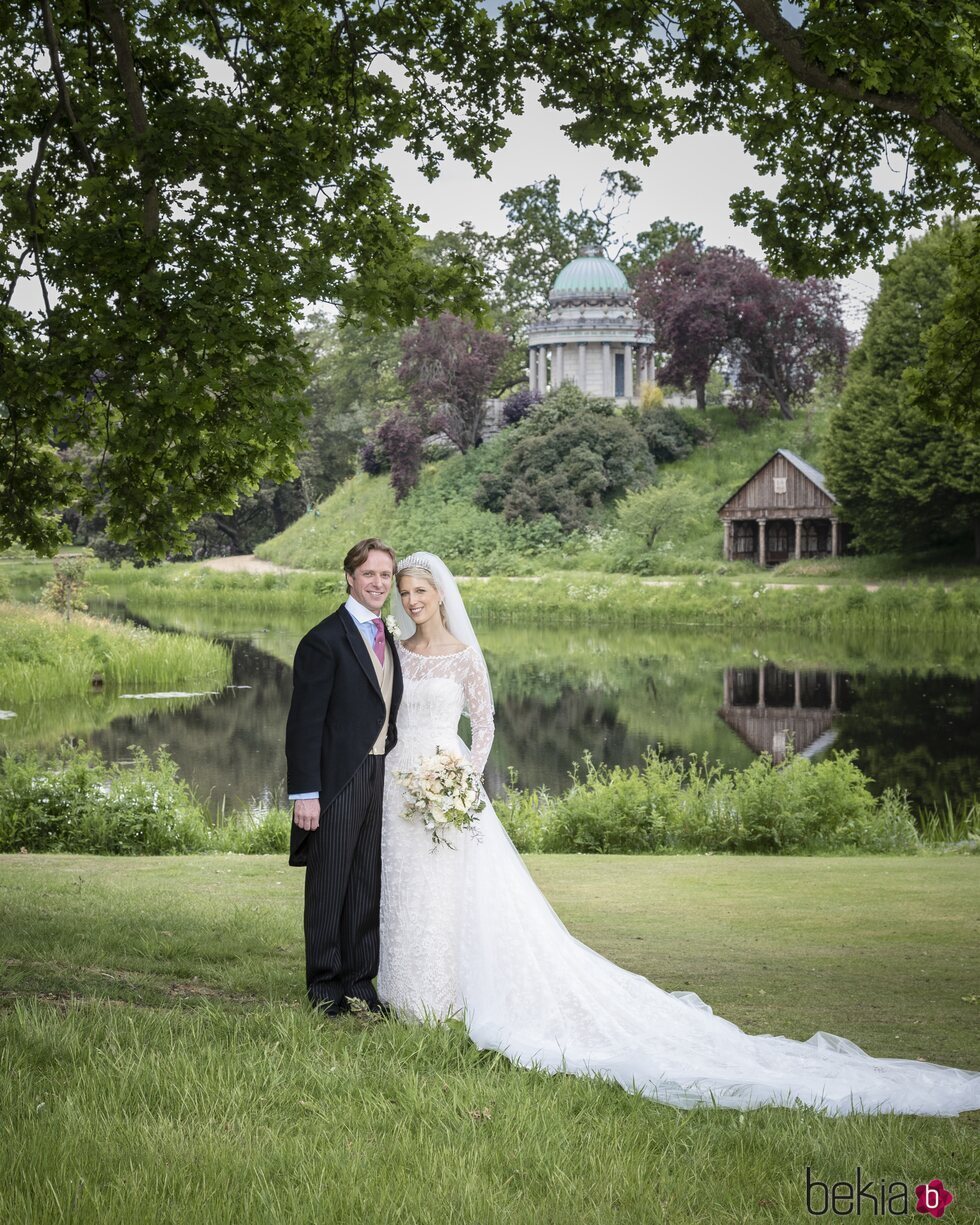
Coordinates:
51 38
137 114
785 39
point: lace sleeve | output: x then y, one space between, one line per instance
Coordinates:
479 706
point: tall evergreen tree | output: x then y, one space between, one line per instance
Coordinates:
905 481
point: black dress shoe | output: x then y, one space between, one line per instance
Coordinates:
329 1007
357 1006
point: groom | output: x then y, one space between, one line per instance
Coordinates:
346 688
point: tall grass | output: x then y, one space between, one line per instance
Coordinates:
45 656
178 585
753 603
749 600
951 824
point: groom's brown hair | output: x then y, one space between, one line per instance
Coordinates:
357 554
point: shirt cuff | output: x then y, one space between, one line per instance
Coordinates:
306 795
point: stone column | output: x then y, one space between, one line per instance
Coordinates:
542 368
558 364
628 371
582 369
762 541
799 538
532 367
834 539
607 382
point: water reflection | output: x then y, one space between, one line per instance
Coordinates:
773 709
563 692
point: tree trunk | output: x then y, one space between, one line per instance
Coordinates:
701 391
225 526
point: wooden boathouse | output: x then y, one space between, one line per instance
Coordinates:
783 511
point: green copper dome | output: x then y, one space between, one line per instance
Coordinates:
590 273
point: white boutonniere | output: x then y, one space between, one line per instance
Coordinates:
391 625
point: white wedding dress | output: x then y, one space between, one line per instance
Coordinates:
466 932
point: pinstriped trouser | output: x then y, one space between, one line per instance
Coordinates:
343 892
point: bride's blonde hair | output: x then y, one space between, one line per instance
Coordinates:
425 573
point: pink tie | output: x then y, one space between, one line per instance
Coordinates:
379 640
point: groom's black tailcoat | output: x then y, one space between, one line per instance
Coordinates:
335 717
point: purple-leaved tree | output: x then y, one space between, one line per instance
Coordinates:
785 334
687 296
777 335
448 367
400 438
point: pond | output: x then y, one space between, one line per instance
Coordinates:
910 708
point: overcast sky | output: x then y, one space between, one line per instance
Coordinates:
689 180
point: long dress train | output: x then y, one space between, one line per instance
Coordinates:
467 932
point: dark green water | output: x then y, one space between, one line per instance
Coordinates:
910 708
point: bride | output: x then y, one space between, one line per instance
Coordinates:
465 932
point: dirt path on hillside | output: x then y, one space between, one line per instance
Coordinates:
247 563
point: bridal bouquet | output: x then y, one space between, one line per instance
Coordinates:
443 792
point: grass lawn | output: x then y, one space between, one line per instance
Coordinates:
159 1064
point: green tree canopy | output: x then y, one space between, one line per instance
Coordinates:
904 480
818 93
176 178
946 386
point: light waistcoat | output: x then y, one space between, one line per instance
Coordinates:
385 676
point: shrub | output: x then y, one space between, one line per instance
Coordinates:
653 522
77 803
674 805
570 455
400 437
670 435
66 590
517 406
651 396
373 459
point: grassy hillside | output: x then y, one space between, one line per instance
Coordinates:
439 514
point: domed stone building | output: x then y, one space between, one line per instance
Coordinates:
591 335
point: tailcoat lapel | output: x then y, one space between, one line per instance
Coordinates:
360 649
